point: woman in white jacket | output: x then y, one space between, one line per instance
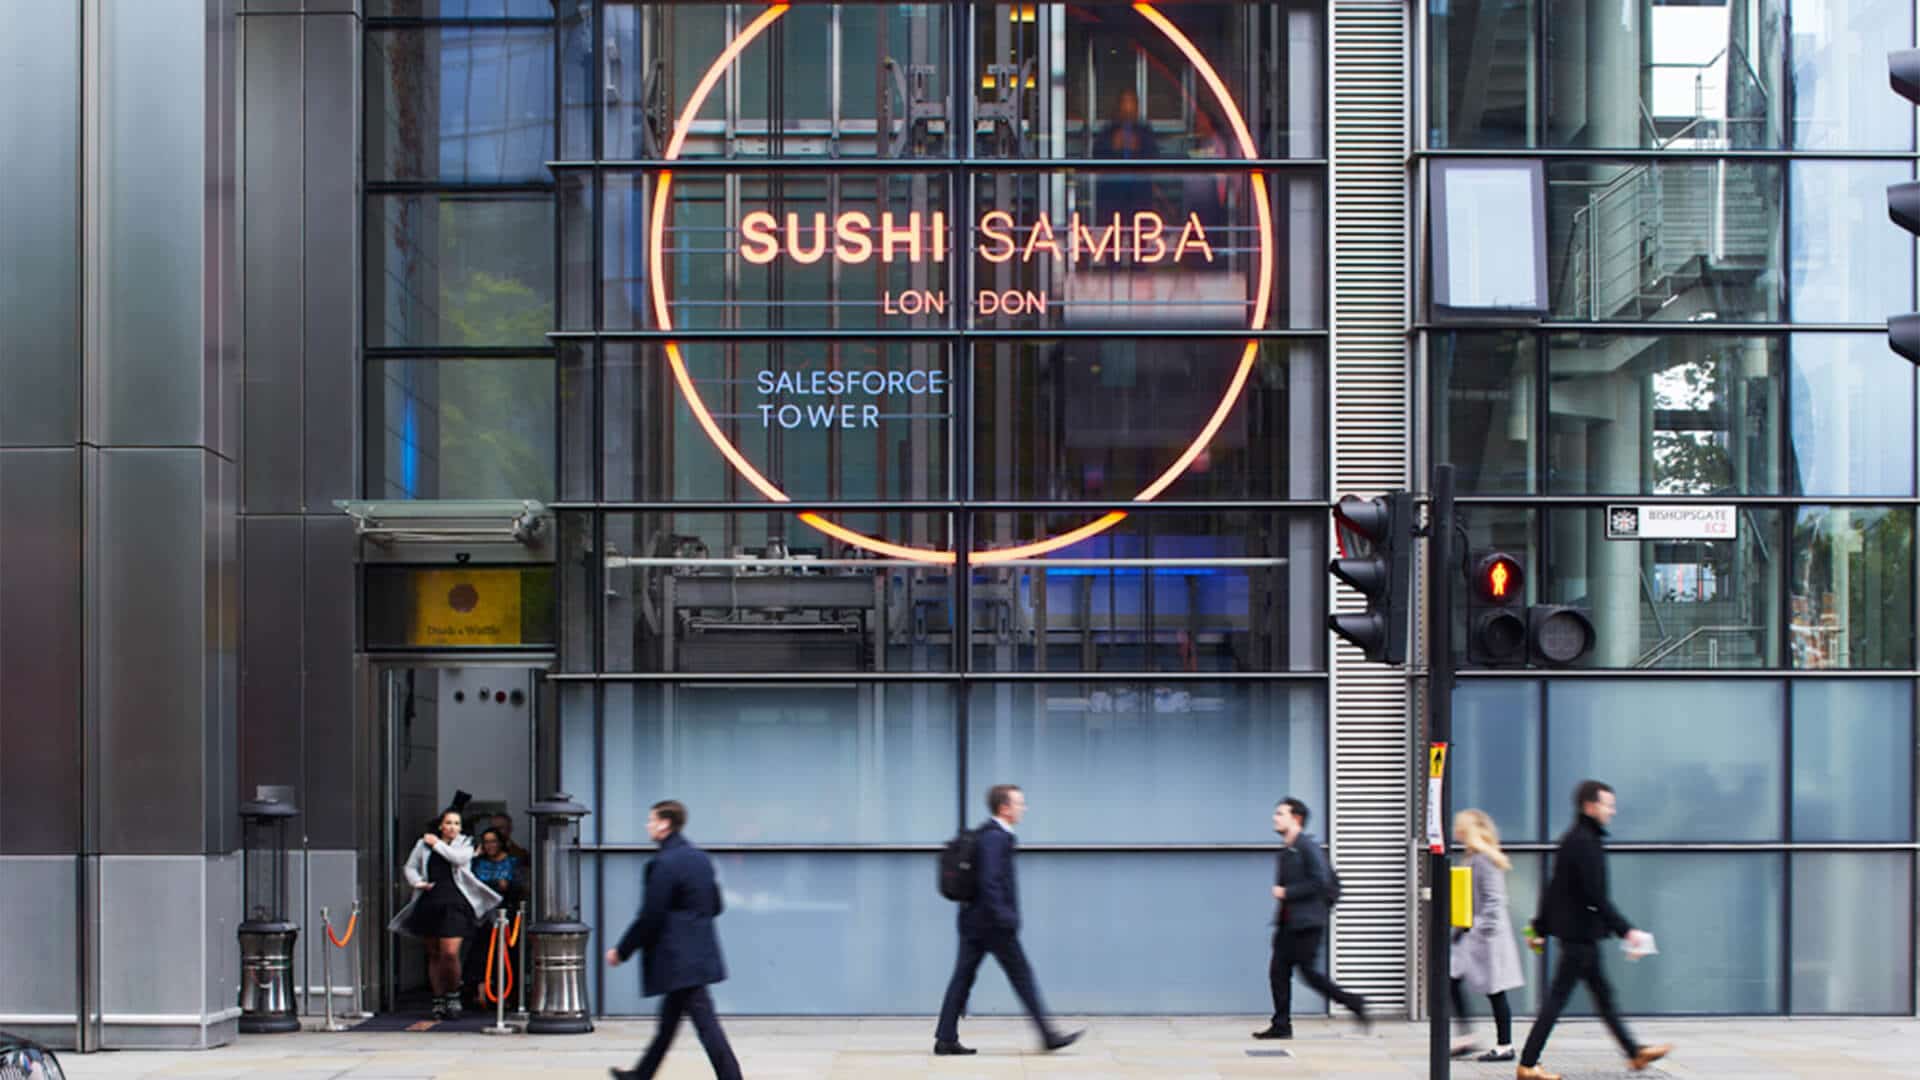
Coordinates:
447 903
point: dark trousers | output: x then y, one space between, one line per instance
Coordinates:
1300 949
697 1004
1502 1013
1579 962
1003 946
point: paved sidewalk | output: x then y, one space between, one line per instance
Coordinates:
1125 1048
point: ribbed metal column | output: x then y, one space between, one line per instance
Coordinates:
1371 736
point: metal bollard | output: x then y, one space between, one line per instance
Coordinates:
520 1010
326 972
359 1010
500 1025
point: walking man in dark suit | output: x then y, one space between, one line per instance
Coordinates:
1301 883
680 952
990 924
1576 909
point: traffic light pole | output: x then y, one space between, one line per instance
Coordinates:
1439 734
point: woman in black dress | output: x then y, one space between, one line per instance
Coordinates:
447 904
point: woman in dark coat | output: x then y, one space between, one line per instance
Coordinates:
447 903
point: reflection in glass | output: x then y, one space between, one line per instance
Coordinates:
453 270
1233 592
1852 933
767 593
1496 760
883 436
461 429
1852 587
1853 416
459 104
1853 760
1848 266
1664 241
1139 762
838 934
1483 409
1483 74
769 764
1732 945
1095 418
1717 776
1691 414
1671 603
1840 95
1650 74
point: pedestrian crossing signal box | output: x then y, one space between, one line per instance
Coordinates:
1463 897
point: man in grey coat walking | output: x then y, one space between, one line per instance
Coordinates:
1302 882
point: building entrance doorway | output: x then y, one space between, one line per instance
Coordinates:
448 727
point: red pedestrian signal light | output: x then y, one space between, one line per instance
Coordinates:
1500 578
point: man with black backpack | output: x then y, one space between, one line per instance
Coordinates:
976 869
1304 891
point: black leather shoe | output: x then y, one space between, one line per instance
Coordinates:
624 1074
1057 1041
1274 1031
952 1049
1360 1014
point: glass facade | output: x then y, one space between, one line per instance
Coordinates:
1039 284
1719 268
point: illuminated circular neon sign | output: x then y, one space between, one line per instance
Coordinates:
656 287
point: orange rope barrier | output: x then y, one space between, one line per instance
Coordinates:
341 943
514 937
506 963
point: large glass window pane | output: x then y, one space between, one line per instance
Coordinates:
1665 241
1650 74
1483 74
1847 265
454 270
461 429
1158 591
1684 414
461 9
461 104
1075 906
1731 947
852 763
772 403
1096 759
1719 776
1671 603
1853 760
1852 587
1485 400
1095 418
810 934
1853 419
1852 933
772 593
1840 95
1496 756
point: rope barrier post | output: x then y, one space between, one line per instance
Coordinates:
520 939
498 976
326 973
359 1010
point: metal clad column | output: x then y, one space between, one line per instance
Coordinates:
1370 87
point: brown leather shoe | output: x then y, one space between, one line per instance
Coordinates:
1534 1072
1648 1055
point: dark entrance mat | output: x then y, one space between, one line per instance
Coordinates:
470 1021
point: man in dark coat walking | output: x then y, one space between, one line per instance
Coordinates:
990 925
1575 909
680 952
1302 881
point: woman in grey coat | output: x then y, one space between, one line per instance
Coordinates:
1486 959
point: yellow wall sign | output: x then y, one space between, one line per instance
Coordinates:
465 607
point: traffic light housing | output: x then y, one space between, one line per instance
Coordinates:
1497 632
1558 635
1376 549
1903 200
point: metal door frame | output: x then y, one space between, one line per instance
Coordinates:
378 864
